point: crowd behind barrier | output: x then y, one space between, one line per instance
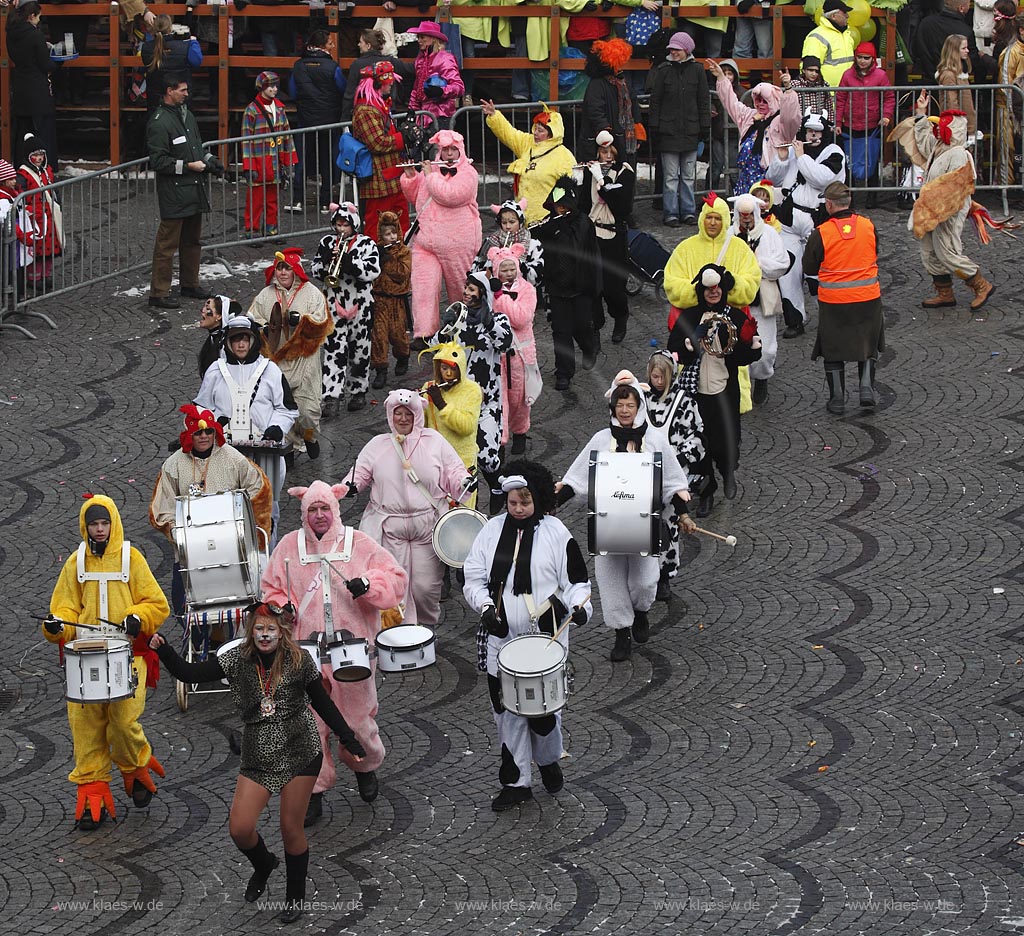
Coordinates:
97 84
99 244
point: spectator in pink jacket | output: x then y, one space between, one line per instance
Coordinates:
772 122
449 234
862 116
438 84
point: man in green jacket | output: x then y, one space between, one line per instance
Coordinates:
176 156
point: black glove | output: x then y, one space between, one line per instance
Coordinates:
489 618
728 281
434 92
273 434
352 745
495 285
357 587
293 319
352 491
224 420
436 396
565 494
348 264
52 625
132 625
579 615
744 5
214 166
472 483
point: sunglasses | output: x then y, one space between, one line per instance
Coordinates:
204 432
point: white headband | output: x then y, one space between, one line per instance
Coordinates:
512 483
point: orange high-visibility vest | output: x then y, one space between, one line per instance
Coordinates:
849 272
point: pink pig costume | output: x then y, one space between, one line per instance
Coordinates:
401 513
449 232
518 301
357 701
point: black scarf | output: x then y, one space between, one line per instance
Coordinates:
760 128
501 565
624 436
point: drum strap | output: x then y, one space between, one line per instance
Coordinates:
242 396
344 556
325 574
104 577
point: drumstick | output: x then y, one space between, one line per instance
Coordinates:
36 617
730 539
288 586
565 623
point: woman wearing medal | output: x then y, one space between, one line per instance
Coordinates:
273 682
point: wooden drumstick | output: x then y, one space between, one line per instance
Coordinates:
730 539
566 622
288 586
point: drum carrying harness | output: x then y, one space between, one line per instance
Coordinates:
103 578
325 566
240 406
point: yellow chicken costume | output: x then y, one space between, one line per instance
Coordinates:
110 581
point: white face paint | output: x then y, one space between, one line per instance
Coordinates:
267 634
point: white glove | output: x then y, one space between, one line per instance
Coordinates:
595 171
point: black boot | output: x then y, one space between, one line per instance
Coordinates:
295 889
759 394
664 588
866 372
641 627
401 366
368 785
314 810
357 402
835 376
380 378
519 443
623 645
446 584
706 504
619 331
263 862
793 319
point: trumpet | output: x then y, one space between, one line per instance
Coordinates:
332 276
443 385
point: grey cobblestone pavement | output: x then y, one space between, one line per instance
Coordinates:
823 735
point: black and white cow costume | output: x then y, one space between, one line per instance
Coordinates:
486 335
801 182
532 263
346 353
524 574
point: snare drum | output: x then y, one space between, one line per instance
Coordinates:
624 503
350 658
215 539
405 647
533 675
311 645
454 534
99 669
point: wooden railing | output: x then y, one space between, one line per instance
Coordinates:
119 58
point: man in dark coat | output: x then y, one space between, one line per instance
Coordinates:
680 119
607 102
933 31
176 156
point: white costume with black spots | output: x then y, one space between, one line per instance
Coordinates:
557 570
346 353
532 263
627 583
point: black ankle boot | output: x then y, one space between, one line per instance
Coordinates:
623 645
380 378
519 443
295 889
401 366
263 862
866 372
835 377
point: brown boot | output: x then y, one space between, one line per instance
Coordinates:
943 298
982 289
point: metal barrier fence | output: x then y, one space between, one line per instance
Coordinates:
102 210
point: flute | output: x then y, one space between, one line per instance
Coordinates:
443 385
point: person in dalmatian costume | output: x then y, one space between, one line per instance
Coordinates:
487 336
346 353
802 171
449 230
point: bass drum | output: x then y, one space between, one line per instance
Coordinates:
218 552
624 503
454 534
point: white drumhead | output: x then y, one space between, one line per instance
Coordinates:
230 645
455 533
98 645
533 653
405 636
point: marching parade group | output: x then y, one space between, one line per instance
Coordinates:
321 608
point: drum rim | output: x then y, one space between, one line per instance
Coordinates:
233 644
440 524
338 641
125 643
545 672
404 647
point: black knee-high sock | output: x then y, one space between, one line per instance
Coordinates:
259 856
296 867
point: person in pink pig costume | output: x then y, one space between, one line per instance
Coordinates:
518 300
414 476
449 232
369 581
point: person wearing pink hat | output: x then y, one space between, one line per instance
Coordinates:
438 84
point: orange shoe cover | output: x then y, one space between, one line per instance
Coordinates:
94 796
142 775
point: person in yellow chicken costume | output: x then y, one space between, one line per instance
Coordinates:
107 579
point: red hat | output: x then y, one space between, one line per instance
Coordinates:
429 28
291 256
865 48
196 419
380 71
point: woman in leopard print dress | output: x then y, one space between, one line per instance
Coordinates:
273 682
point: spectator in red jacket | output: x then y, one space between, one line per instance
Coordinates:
862 116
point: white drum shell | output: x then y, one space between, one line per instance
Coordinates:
217 549
405 647
533 675
454 534
99 669
350 659
312 646
624 504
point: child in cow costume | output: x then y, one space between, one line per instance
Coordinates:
346 356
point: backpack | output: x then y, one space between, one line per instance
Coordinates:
354 158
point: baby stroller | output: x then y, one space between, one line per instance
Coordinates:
647 260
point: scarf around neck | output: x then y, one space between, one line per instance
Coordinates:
501 565
624 436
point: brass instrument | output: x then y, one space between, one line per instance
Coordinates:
332 276
707 340
419 164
